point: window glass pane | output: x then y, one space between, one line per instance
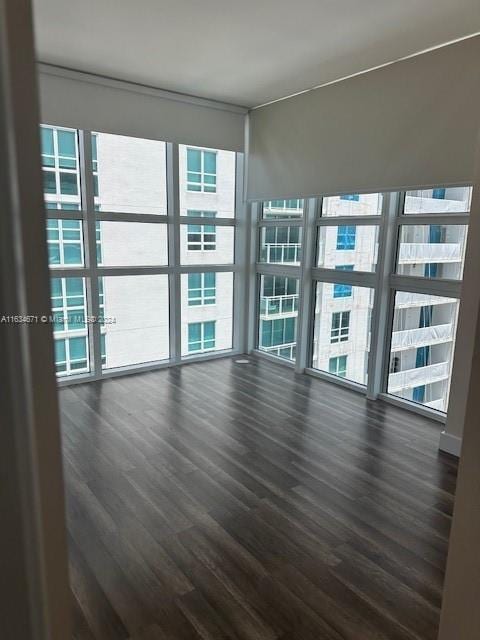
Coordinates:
278 209
355 244
207 312
341 337
281 245
49 182
61 182
438 200
68 184
136 319
70 330
132 244
65 243
207 181
363 204
423 339
46 135
432 251
67 150
206 244
131 174
278 311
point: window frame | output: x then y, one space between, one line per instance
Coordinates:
383 281
90 216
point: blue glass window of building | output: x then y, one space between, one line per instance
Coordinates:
419 394
68 304
343 290
64 241
346 236
338 366
201 289
439 194
278 332
201 336
353 197
201 237
201 170
71 355
59 161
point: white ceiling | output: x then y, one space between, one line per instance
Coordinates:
246 52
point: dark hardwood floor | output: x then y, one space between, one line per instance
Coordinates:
231 501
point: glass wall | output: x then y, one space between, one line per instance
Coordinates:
341 335
111 221
365 287
278 312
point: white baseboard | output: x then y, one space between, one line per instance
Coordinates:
450 444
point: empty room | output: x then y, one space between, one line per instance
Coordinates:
240 320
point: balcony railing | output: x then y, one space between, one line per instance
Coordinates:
286 253
425 252
439 404
418 377
282 350
412 338
408 300
278 305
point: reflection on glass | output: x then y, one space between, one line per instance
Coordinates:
353 204
432 251
356 245
423 338
341 339
136 320
281 245
438 200
207 312
129 174
278 311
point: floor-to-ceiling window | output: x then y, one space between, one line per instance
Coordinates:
141 243
376 283
279 259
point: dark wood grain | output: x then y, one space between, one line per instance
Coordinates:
224 501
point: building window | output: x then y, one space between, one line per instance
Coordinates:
201 289
438 194
340 326
98 241
278 209
95 166
281 245
201 170
353 197
343 290
71 355
64 240
201 237
346 236
60 163
68 304
281 331
201 336
338 366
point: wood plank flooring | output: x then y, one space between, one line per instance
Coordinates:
242 501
